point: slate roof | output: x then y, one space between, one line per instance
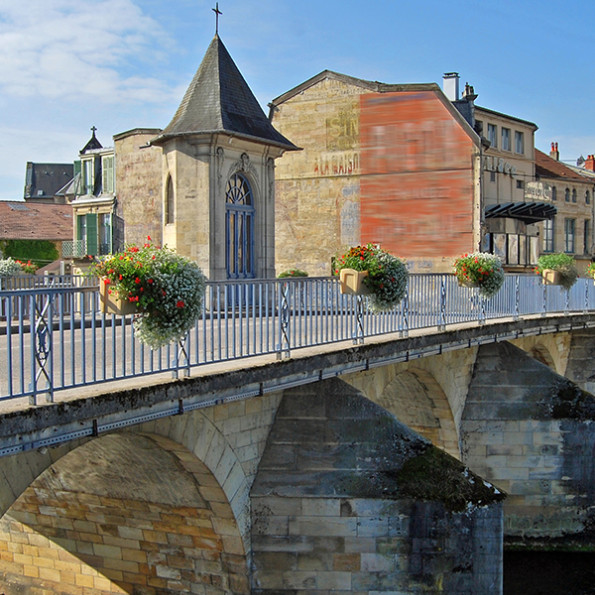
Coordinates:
219 100
44 180
21 220
546 167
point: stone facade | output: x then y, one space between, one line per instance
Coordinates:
138 184
330 512
527 429
199 171
379 163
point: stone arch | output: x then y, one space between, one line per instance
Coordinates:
542 355
124 513
416 399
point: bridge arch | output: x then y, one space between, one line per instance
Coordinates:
123 513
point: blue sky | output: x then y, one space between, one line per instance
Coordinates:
67 65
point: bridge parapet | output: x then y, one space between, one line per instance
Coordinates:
56 339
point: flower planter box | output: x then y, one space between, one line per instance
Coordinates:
111 304
467 283
352 282
551 277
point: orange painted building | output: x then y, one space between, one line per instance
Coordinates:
395 165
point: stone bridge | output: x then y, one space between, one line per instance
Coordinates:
398 466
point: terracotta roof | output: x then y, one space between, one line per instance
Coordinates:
35 221
546 167
219 100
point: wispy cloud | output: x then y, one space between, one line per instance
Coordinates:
79 49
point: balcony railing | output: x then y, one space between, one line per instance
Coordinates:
78 249
53 337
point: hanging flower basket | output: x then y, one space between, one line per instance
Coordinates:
374 272
482 270
557 269
111 303
352 282
551 277
164 289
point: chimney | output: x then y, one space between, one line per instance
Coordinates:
469 93
554 153
590 163
450 85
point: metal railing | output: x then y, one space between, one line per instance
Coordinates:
54 337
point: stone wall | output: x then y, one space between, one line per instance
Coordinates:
138 185
530 432
332 510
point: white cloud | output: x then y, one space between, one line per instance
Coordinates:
80 48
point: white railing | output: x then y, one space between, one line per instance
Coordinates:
53 336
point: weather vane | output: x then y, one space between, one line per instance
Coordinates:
217 13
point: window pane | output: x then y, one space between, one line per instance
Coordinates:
519 142
492 135
505 139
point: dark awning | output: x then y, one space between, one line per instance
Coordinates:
529 212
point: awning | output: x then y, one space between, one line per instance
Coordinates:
529 212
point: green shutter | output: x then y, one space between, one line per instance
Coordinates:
92 244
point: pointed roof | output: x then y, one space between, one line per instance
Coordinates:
92 144
219 100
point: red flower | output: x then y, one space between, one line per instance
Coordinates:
180 304
137 280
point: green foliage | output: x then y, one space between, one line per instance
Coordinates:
167 288
387 275
39 252
292 273
563 264
482 270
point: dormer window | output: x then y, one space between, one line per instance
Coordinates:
88 176
107 174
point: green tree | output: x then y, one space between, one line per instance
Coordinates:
40 252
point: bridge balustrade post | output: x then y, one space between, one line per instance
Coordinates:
41 345
517 297
442 323
544 303
404 326
283 348
180 353
358 335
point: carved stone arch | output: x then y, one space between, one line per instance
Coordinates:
416 399
245 167
137 502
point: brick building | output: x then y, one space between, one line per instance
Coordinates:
395 165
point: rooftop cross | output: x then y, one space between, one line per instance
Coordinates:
93 130
217 13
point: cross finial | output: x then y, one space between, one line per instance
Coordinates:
217 13
93 130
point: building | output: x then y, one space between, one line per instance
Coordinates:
571 190
93 207
395 165
512 209
218 173
32 220
45 182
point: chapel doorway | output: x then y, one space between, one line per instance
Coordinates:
239 228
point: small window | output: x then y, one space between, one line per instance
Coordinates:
492 176
548 235
574 195
519 142
506 139
587 237
520 184
169 201
492 132
554 193
587 198
569 226
567 195
88 176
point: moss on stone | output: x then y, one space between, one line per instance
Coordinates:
569 401
436 476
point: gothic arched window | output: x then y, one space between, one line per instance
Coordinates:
239 228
